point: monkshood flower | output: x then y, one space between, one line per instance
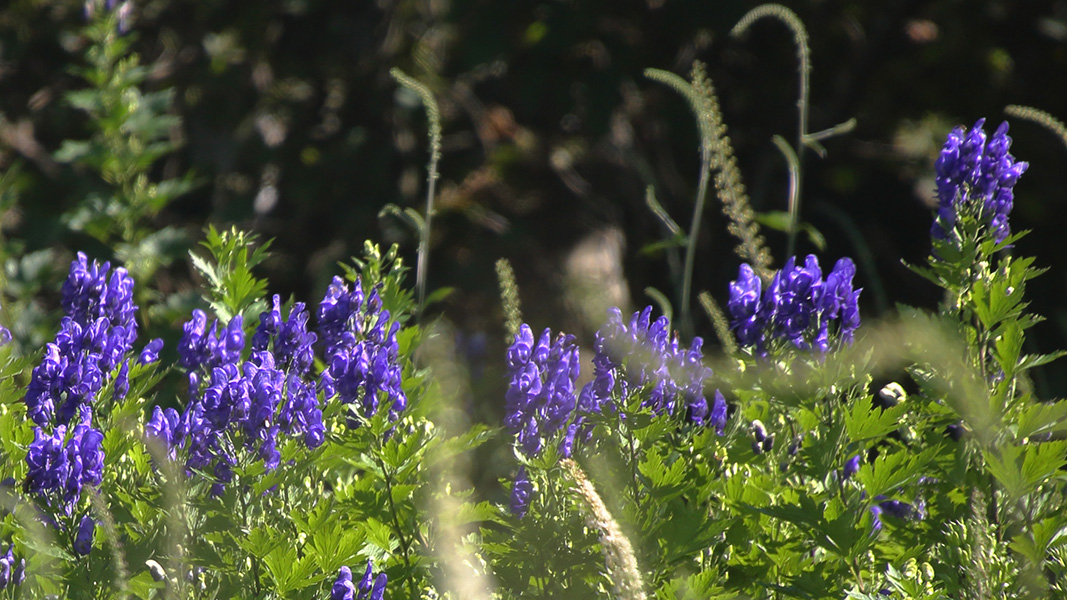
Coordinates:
95 336
852 466
976 177
12 570
541 397
521 491
798 307
203 348
83 540
150 352
60 465
362 352
235 404
898 509
644 358
368 588
289 339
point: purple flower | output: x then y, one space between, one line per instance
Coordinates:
122 381
718 413
83 540
976 178
852 465
362 351
59 467
541 398
521 491
200 347
876 518
150 353
343 588
644 354
95 336
369 588
798 308
163 428
898 509
12 570
378 591
367 581
242 406
290 339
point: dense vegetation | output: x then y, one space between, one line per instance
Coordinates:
181 417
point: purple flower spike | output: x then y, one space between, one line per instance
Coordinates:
362 351
799 308
541 398
977 178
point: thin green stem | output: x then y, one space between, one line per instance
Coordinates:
633 470
691 242
793 162
404 543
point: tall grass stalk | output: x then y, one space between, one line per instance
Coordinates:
433 116
1040 117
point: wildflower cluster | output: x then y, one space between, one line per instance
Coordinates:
798 306
645 358
253 401
976 178
541 397
361 350
369 587
640 361
94 337
90 350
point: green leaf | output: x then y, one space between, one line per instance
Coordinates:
865 421
1021 469
259 542
1030 361
667 481
205 269
379 534
439 294
290 573
892 470
1041 418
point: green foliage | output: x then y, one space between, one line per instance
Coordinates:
945 483
232 288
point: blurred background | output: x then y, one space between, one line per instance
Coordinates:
293 128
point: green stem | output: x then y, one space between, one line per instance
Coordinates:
255 561
424 238
691 242
633 472
404 544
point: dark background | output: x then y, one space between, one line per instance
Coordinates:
551 134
